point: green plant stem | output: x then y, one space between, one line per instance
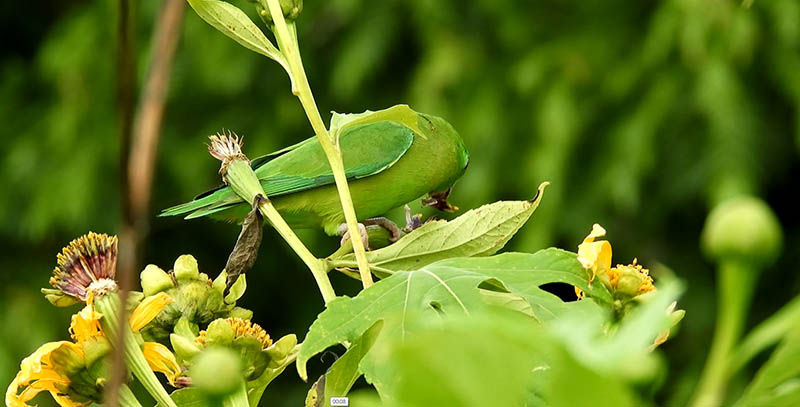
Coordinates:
735 290
314 264
287 42
108 305
766 334
237 399
244 182
126 397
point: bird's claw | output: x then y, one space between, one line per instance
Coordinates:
346 234
438 200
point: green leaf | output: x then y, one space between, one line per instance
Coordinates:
487 359
777 383
234 23
478 232
421 291
523 274
190 397
344 372
443 289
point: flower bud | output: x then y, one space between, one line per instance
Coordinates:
216 371
185 268
291 9
281 350
743 228
154 280
237 289
185 348
242 313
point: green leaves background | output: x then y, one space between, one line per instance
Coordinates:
641 115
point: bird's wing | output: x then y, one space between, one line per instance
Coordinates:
366 150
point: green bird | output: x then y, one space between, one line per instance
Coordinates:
391 157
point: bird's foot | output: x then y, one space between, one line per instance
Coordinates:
346 234
412 221
438 200
387 224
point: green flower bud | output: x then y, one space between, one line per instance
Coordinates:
237 289
241 313
196 300
250 341
291 9
743 228
216 371
219 332
185 268
281 350
185 348
186 328
95 348
154 280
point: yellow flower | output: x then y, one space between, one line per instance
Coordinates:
595 255
50 367
158 356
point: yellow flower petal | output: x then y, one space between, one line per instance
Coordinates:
38 373
85 324
162 360
148 309
595 255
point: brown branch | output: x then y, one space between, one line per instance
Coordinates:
139 163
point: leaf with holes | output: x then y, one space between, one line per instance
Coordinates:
450 287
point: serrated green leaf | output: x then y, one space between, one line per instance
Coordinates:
234 23
422 291
524 273
446 288
477 233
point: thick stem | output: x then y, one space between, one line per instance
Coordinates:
126 397
237 399
735 289
288 45
314 264
108 305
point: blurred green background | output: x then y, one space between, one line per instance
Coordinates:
642 115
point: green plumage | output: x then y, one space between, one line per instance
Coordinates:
391 157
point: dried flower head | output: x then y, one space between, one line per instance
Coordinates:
86 267
226 148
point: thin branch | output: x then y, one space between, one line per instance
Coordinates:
140 152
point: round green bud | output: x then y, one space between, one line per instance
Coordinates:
185 268
154 280
219 332
742 228
216 371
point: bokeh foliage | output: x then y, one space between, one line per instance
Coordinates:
642 116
